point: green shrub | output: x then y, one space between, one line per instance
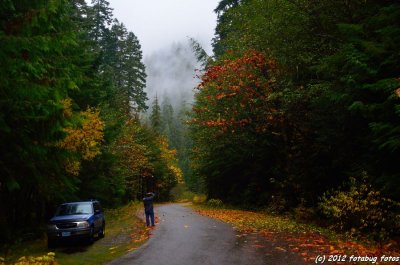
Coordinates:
215 203
361 210
277 204
199 198
303 213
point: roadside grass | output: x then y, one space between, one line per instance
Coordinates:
125 232
290 235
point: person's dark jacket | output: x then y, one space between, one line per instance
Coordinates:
148 203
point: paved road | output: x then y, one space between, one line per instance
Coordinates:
183 237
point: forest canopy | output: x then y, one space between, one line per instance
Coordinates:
72 89
299 107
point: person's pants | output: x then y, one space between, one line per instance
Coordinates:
148 216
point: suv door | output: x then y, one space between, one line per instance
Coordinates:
98 216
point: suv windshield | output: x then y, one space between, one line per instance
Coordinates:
74 208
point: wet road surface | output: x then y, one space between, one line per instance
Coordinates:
184 237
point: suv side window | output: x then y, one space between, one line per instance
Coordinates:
97 207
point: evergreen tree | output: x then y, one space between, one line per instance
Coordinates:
38 54
155 117
134 72
221 30
121 62
169 122
100 16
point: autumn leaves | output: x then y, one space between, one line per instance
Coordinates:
83 137
236 94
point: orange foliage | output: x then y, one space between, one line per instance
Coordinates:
237 94
84 139
169 155
132 152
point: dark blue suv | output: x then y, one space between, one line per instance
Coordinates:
83 219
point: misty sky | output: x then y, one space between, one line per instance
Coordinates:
159 23
163 28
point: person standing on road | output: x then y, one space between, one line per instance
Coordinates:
148 208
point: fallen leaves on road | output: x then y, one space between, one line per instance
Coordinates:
288 235
140 235
280 249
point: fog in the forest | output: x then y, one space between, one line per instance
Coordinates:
171 74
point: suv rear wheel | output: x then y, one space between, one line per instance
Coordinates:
102 232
